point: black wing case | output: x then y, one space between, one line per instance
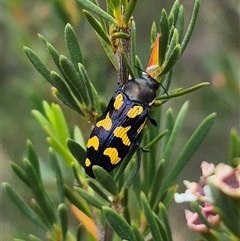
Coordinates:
115 132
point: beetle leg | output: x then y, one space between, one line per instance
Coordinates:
138 145
119 85
152 120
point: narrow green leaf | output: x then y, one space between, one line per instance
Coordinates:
105 179
121 35
58 123
172 44
156 139
58 173
77 151
102 20
170 21
128 65
63 216
42 120
125 162
90 198
98 189
149 214
74 198
190 26
137 186
173 58
77 174
197 209
78 136
139 65
19 172
97 10
133 47
134 171
39 192
97 27
215 235
234 146
153 34
175 11
49 114
38 64
129 11
56 93
164 218
180 24
108 50
116 8
18 201
63 89
157 181
61 127
124 3
32 157
189 149
137 234
169 195
176 127
151 140
181 92
74 81
161 228
33 238
88 85
53 140
73 46
125 203
99 105
119 224
37 209
53 52
61 149
115 4
164 37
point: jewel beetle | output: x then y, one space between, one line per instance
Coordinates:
121 123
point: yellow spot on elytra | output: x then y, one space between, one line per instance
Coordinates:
87 162
113 155
121 132
118 102
105 123
141 127
135 111
93 142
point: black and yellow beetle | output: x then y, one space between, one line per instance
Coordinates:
121 123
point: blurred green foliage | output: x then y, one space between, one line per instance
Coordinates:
212 55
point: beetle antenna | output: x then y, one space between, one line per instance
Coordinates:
152 78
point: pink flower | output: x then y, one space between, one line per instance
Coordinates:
210 214
195 223
222 177
196 191
227 180
188 196
207 169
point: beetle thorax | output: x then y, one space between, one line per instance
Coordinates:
142 89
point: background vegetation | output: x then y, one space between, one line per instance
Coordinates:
212 55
